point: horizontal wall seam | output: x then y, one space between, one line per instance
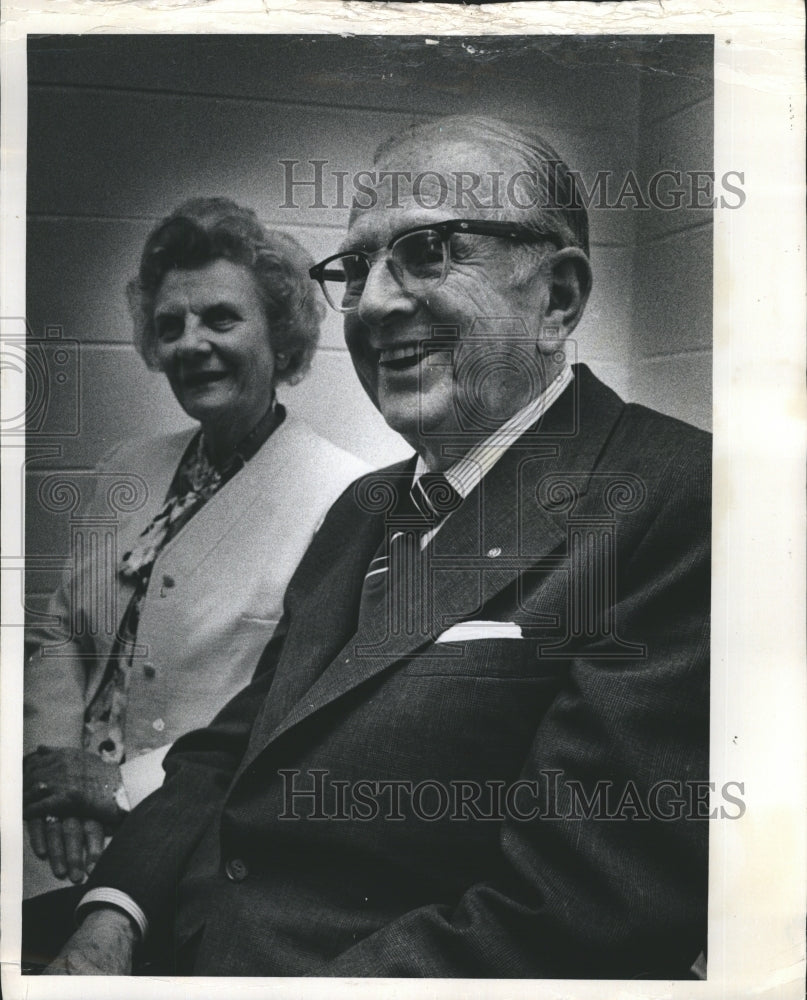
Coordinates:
118 345
49 217
291 103
646 241
658 357
687 106
35 216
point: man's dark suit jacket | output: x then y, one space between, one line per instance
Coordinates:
591 538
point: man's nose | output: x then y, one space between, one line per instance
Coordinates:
382 295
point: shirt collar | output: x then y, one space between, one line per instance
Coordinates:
469 471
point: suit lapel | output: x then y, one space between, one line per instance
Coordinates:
512 520
331 601
326 592
519 513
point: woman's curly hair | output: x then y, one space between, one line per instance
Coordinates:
203 230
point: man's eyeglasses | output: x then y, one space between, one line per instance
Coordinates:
419 259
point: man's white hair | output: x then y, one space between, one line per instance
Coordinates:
545 182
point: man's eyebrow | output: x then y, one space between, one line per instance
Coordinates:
351 246
368 245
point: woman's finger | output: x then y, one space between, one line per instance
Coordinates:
36 837
35 790
93 842
35 757
35 762
53 838
73 839
55 805
42 767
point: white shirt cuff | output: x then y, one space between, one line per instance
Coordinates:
116 898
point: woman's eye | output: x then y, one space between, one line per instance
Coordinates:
221 319
168 327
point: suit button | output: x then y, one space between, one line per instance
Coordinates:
149 670
236 870
168 581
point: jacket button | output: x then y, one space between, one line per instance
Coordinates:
149 670
168 581
236 870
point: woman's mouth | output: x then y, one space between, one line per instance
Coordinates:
196 380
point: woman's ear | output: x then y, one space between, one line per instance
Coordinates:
568 275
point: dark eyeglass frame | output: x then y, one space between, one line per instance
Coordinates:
472 227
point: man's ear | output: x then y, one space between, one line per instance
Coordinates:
568 276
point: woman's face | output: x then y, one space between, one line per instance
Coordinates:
212 342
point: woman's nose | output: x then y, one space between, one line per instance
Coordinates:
194 338
382 295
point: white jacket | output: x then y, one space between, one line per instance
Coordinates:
214 598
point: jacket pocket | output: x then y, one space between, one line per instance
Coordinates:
516 659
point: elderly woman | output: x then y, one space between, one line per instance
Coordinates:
226 311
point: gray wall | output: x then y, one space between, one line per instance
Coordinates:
122 128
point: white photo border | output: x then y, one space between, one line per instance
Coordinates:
757 863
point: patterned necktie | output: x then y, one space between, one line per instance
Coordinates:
434 497
431 499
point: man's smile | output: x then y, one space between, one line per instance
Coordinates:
401 358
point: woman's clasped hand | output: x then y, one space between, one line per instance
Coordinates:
72 800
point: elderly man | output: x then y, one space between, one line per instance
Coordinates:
478 743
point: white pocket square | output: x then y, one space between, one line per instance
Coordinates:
466 631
